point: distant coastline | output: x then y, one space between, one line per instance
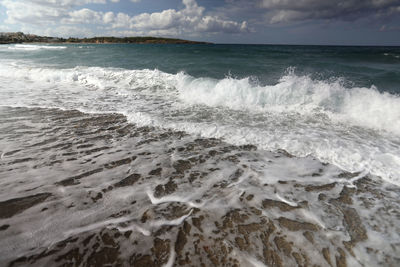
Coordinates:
20 37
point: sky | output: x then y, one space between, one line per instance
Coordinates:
326 22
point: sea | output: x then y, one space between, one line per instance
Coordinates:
214 154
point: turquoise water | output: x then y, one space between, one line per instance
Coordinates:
340 105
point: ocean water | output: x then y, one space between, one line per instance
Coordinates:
317 115
338 104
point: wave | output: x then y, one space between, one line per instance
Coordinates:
365 107
35 47
354 128
359 106
391 55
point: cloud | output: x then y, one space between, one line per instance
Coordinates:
299 10
214 24
41 12
85 16
66 3
192 18
108 17
4 28
31 12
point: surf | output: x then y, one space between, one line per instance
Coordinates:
355 128
30 47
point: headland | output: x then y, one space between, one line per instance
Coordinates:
20 37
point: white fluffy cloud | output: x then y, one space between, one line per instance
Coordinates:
191 18
84 16
40 12
61 13
66 2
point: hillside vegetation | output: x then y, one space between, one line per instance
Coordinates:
19 37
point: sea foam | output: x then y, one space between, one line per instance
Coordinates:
355 128
26 47
365 107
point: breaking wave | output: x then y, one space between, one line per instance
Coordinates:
25 47
365 107
355 128
360 106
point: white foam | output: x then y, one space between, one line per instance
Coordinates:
253 261
178 221
125 207
171 258
96 225
26 47
290 203
171 198
391 55
356 128
136 228
364 107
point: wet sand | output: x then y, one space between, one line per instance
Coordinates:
82 189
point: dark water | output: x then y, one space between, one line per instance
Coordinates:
359 66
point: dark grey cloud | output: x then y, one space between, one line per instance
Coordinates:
299 10
281 11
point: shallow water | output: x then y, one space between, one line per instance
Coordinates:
75 186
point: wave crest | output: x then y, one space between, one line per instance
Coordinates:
25 47
302 115
360 106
